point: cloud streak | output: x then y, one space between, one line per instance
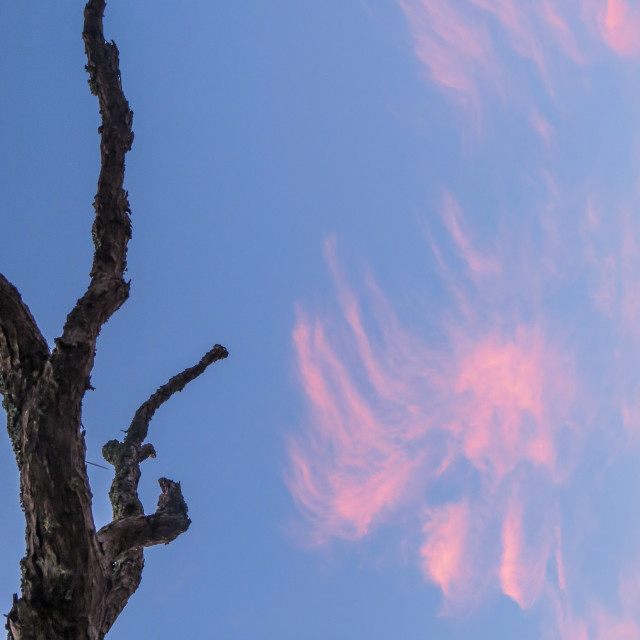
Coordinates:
391 420
488 429
618 24
457 52
444 554
356 463
389 415
478 50
522 565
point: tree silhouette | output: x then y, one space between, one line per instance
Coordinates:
76 580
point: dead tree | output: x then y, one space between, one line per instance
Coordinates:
76 580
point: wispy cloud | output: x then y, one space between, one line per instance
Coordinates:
542 127
488 435
456 51
512 394
521 53
390 416
559 29
618 23
355 463
453 219
514 18
609 627
456 43
523 564
445 558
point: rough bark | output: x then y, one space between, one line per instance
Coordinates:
76 581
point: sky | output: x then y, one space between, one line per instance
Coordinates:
414 224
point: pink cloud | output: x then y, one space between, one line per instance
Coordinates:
567 625
511 393
444 553
464 56
542 128
351 468
631 416
619 25
472 50
597 622
593 216
629 588
612 254
517 24
522 567
390 418
630 273
388 414
452 216
493 401
563 35
603 260
383 384
614 257
611 628
453 47
578 632
562 579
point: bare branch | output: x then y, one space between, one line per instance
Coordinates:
165 525
137 432
123 539
126 456
64 573
75 582
111 231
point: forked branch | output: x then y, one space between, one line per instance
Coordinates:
126 456
123 539
75 582
165 525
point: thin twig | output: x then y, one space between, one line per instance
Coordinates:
93 464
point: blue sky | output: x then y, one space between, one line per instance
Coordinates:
414 225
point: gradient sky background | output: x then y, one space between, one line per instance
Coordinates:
414 224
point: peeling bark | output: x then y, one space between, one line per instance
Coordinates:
76 581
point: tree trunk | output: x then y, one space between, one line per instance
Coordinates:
76 581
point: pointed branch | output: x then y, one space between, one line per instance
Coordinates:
137 432
107 291
126 456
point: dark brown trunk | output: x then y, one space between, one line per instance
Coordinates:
65 575
76 580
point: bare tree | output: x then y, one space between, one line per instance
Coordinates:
76 580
